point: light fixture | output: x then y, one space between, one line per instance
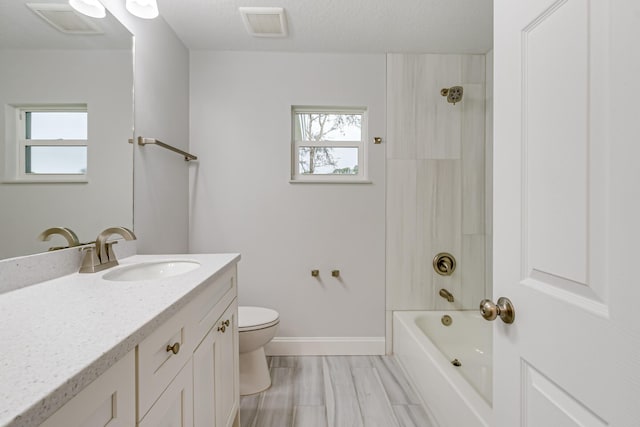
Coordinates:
146 9
92 8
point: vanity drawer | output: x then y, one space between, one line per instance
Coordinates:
207 307
160 357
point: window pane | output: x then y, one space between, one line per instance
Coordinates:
328 160
328 127
56 125
59 159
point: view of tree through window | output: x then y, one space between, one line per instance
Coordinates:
328 143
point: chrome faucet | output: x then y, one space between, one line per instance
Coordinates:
446 295
101 256
65 232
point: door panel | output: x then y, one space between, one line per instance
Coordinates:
562 191
550 405
563 150
555 142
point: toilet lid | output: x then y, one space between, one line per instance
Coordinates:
256 317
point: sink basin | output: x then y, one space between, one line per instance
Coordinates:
151 270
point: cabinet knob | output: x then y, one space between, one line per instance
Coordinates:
175 348
225 324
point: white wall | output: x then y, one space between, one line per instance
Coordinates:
102 79
242 201
161 178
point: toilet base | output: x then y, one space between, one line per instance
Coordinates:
254 372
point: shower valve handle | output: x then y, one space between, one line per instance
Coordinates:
504 309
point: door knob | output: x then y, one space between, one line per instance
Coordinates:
504 309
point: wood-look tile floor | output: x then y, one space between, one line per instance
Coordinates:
335 391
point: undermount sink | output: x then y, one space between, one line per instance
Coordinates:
151 270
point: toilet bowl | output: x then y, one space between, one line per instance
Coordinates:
256 327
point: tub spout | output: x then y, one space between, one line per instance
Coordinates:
446 295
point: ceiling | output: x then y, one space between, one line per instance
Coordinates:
21 28
355 26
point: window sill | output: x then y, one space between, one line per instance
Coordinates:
82 180
327 181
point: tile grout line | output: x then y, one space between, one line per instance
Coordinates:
355 388
328 386
386 395
293 415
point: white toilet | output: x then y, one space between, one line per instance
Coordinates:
256 327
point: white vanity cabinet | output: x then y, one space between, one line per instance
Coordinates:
109 400
185 371
188 367
152 350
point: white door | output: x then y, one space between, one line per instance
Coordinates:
567 212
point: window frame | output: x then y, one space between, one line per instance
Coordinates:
17 173
361 177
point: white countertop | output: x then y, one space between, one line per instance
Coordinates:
60 335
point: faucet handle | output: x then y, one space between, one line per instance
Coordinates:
109 253
90 260
104 249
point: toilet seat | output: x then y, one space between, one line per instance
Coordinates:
254 318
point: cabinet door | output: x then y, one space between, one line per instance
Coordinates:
174 407
108 401
215 373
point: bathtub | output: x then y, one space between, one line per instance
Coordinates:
456 396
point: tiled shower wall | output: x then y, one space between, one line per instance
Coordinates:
436 185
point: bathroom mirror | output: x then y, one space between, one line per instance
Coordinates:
66 94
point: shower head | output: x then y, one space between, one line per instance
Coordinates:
453 94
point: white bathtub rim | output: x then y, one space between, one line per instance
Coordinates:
467 393
435 390
461 385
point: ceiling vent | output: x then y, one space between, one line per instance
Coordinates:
264 21
63 18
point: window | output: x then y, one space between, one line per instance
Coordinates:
328 144
51 143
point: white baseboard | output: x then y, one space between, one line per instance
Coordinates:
325 346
